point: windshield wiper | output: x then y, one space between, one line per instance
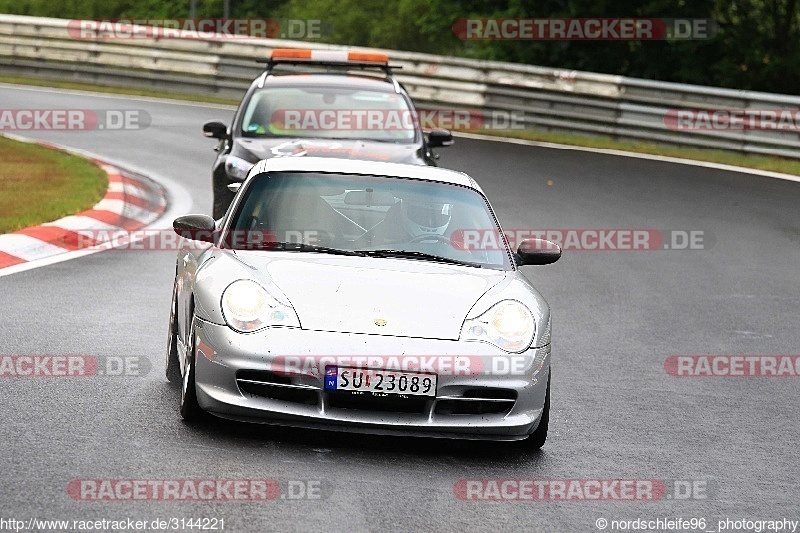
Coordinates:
360 140
300 247
412 254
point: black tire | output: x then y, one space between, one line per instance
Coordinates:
190 408
173 365
537 439
222 198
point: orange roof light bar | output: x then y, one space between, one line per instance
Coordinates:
368 57
325 56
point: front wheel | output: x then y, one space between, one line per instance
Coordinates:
173 365
190 408
537 439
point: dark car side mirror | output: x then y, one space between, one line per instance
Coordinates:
538 252
215 130
195 227
437 138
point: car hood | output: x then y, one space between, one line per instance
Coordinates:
256 149
353 294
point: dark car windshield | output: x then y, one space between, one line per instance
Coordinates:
374 216
328 113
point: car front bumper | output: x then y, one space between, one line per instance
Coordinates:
277 376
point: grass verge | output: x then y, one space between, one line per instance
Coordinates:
130 91
39 184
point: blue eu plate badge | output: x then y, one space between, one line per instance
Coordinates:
331 375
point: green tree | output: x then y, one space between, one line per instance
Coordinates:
758 45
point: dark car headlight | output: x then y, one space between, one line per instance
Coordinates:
237 168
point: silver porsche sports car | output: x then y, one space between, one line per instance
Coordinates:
361 296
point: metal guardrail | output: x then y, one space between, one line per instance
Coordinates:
544 98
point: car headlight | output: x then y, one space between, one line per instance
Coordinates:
237 168
247 306
509 325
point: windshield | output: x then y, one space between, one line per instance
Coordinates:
328 113
375 216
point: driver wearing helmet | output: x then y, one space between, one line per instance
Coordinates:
415 219
425 217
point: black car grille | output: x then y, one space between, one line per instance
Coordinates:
275 387
477 402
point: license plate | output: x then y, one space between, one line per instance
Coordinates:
379 381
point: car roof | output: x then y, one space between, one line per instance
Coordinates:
354 166
311 79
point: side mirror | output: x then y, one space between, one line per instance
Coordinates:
437 138
538 252
215 129
195 227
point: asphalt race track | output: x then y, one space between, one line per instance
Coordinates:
617 414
